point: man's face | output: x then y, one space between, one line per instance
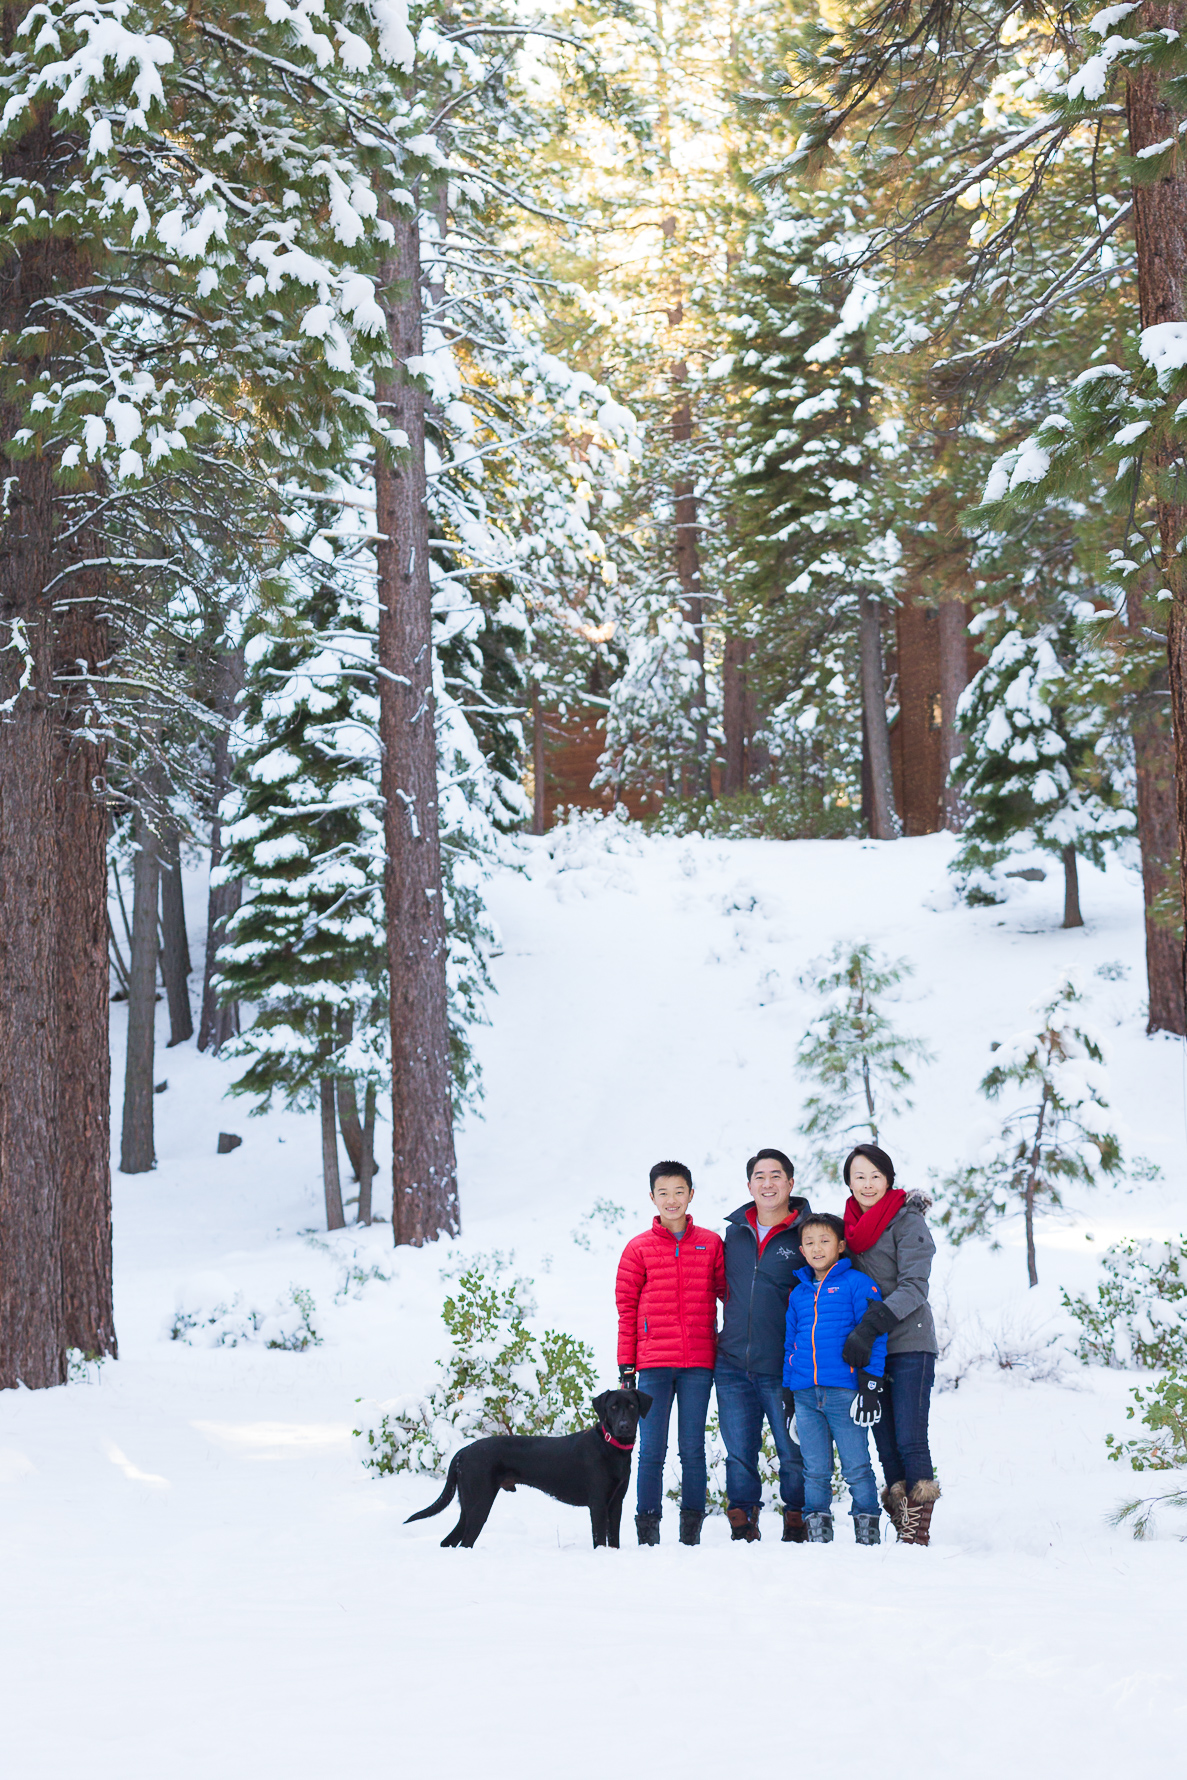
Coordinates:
671 1194
770 1188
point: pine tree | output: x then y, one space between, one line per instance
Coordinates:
862 1064
1055 1136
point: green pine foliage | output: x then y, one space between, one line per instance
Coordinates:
862 1064
1163 1411
1138 1313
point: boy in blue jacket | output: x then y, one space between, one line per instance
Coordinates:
833 1401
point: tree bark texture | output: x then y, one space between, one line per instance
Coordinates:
1071 889
734 703
84 1052
137 1154
424 1167
1154 763
539 764
348 1124
335 1220
1160 239
175 946
954 677
219 1021
32 1317
884 824
688 570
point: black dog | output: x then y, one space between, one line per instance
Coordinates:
588 1470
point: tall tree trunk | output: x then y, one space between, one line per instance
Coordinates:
1071 889
733 714
137 1153
220 1020
84 1040
688 570
32 1320
539 764
424 1167
884 823
367 1171
954 677
348 1122
1160 238
329 1157
1154 762
175 946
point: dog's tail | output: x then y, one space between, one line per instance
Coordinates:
446 1496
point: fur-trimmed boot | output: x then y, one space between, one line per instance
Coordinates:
743 1524
866 1529
794 1531
894 1500
819 1527
647 1528
917 1512
690 1526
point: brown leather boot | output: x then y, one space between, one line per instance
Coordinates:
894 1500
794 1531
917 1512
743 1524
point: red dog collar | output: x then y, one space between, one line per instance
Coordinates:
607 1435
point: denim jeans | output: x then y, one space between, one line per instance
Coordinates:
901 1435
822 1417
691 1386
743 1398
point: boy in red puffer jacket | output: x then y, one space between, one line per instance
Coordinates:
669 1282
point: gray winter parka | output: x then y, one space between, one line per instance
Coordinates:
899 1263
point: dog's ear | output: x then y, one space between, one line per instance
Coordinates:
644 1402
600 1404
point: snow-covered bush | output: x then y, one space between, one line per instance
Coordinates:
228 1322
499 1378
1163 1409
1054 1133
861 1062
1014 1343
1138 1316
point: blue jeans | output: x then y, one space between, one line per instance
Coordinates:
901 1435
743 1398
690 1385
822 1417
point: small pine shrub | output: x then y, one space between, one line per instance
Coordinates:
499 1378
1163 1410
1138 1316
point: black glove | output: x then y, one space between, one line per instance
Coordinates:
628 1378
859 1344
866 1407
789 1415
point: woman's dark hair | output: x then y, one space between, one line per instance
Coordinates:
828 1219
670 1168
784 1162
873 1154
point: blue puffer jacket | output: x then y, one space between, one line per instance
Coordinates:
820 1319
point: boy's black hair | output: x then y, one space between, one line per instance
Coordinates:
670 1168
829 1219
873 1154
785 1162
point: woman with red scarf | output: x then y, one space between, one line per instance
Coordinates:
887 1237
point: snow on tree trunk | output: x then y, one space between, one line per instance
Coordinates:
136 1145
32 1327
954 677
1071 889
335 1219
424 1168
175 949
1160 238
83 1152
884 824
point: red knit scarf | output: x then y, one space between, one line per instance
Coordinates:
863 1228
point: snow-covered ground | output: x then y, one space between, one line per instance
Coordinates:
200 1578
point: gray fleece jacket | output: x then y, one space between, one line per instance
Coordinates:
899 1263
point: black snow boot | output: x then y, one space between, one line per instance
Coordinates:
866 1529
690 1526
647 1528
820 1527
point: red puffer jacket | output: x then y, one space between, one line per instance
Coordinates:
667 1292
